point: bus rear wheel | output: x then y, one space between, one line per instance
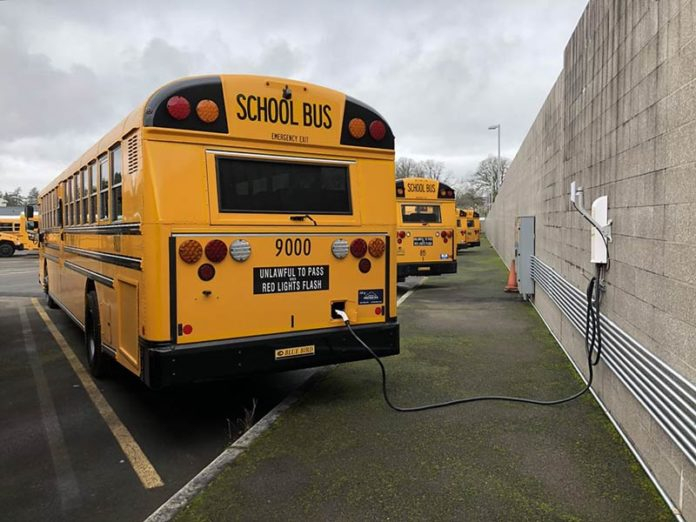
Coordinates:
6 249
96 359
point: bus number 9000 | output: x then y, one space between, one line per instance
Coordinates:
293 247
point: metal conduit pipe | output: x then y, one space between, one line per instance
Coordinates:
667 396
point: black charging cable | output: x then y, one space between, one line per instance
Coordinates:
593 346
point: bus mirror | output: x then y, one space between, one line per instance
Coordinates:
29 211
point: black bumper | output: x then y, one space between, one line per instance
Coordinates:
425 269
165 364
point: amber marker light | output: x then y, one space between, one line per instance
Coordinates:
207 111
190 251
376 247
357 128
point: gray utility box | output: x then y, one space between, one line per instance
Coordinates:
524 250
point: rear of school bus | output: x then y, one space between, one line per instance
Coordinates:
473 228
270 204
460 229
425 213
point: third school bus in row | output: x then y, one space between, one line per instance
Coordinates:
426 244
218 228
468 228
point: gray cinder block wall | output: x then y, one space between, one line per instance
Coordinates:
621 121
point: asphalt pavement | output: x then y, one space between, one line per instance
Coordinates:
59 457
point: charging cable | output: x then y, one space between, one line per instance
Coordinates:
593 346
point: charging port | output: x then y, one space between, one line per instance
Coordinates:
338 305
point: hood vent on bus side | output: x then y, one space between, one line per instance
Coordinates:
133 151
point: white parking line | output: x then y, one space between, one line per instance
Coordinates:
408 294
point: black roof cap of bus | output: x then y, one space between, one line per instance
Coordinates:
357 109
194 90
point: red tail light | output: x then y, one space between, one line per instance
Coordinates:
178 107
187 329
190 251
206 272
401 234
216 250
399 240
378 130
364 265
358 247
444 234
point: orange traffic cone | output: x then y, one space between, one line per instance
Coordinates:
512 279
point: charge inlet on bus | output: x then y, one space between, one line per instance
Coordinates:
337 305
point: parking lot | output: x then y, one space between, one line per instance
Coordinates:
62 456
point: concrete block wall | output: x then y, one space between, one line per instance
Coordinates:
621 121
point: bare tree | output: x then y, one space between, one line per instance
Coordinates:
430 168
407 168
488 177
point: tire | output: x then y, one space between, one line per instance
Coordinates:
6 249
96 359
49 300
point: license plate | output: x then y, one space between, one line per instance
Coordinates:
422 241
297 351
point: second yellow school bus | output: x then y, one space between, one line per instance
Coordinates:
17 233
425 213
472 222
219 227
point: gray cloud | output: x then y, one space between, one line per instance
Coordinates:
440 72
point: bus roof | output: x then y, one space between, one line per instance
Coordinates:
250 107
423 188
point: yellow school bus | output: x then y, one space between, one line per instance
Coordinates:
220 226
473 227
17 233
460 231
425 216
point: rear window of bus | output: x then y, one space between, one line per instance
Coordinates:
420 213
270 187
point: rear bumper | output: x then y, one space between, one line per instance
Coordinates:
165 364
424 269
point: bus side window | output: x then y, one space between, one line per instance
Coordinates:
60 212
116 181
104 187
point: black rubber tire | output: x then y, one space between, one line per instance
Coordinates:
49 300
6 249
96 359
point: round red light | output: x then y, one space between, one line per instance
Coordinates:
450 193
358 247
364 265
399 240
206 272
444 239
378 130
216 250
187 329
444 234
178 107
378 310
402 234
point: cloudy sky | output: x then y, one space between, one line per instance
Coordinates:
439 72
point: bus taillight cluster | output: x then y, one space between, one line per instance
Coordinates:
179 108
359 248
445 235
358 128
191 251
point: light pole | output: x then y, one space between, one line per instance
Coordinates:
500 170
